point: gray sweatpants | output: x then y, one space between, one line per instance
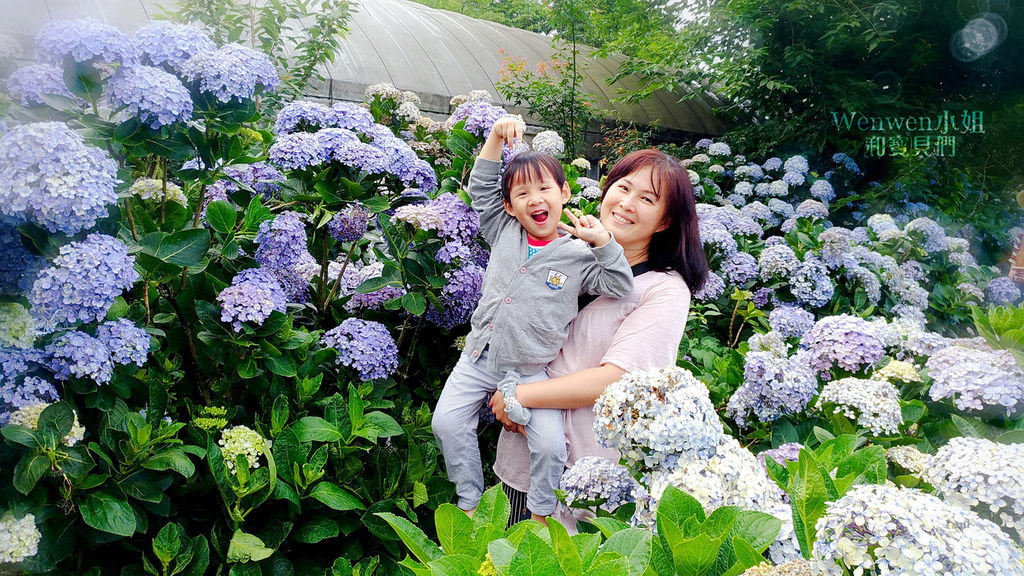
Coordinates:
455 427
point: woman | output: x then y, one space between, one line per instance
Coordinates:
648 204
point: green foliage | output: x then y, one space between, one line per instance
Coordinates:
524 14
1002 327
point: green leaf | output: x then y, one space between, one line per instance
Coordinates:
757 529
565 549
341 567
55 422
336 497
419 494
746 557
695 556
317 531
376 283
1011 437
635 546
385 426
971 428
491 515
534 557
182 248
808 496
676 507
455 531
912 411
313 428
608 564
21 435
108 513
608 526
501 552
283 365
247 548
171 459
415 303
422 548
29 470
279 415
221 216
167 543
255 214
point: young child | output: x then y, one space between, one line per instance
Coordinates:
530 291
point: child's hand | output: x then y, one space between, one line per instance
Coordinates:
506 130
587 228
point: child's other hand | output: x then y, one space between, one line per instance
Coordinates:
586 228
507 130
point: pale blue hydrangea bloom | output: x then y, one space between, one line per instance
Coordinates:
773 385
84 40
459 296
761 213
719 149
282 251
1002 291
447 214
713 289
932 232
479 117
232 72
811 284
85 279
744 189
301 114
740 268
351 116
847 162
703 143
549 142
846 341
128 344
796 164
778 189
365 346
593 478
777 261
359 155
349 224
718 241
794 178
976 379
254 294
162 43
16 394
812 209
50 176
872 404
30 84
297 151
867 280
773 163
790 321
80 355
155 97
823 191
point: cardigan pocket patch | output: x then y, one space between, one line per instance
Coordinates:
556 280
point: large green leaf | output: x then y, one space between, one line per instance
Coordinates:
383 425
491 515
421 547
29 470
221 216
534 557
246 547
566 554
167 543
182 248
695 556
676 506
635 545
21 435
171 459
315 429
108 512
317 530
455 531
808 495
336 497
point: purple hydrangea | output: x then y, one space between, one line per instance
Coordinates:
359 155
777 261
282 251
789 452
83 40
593 478
740 268
811 284
773 385
155 97
718 241
479 116
83 282
848 342
762 296
162 43
15 395
823 191
793 178
300 114
702 143
453 251
297 151
349 224
50 176
811 209
128 344
365 346
1001 291
253 295
260 176
790 321
28 85
18 266
713 288
401 160
355 275
232 72
459 296
447 214
80 355
351 116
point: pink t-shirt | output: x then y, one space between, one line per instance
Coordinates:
639 332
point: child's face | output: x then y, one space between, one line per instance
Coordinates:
537 204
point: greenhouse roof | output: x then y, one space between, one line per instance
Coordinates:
435 53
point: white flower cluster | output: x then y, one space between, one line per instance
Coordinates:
549 142
878 529
242 440
976 377
582 163
897 370
153 189
656 417
595 478
798 567
908 458
872 404
408 111
385 90
983 475
28 416
19 539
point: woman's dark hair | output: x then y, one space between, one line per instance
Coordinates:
677 247
530 164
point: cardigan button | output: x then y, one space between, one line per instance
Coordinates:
522 270
508 300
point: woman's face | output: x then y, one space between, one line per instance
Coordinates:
633 210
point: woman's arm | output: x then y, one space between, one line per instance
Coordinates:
576 390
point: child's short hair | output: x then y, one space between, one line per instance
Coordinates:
530 164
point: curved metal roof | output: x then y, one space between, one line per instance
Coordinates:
435 53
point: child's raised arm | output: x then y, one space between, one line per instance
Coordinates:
505 131
485 178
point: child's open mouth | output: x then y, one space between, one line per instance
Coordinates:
540 216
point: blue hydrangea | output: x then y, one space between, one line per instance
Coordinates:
797 164
50 176
823 191
15 395
713 289
776 261
811 284
773 385
788 452
263 178
359 155
84 40
297 151
127 343
447 214
354 275
593 478
793 178
867 280
253 295
17 362
744 226
790 321
401 160
459 296
719 242
453 251
760 213
155 97
365 346
162 43
282 251
28 85
780 207
1002 291
811 209
85 279
80 355
740 268
302 115
849 163
18 266
703 143
351 116
479 116
846 341
232 72
762 296
350 223
773 163
719 149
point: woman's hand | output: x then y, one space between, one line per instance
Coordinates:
587 228
498 407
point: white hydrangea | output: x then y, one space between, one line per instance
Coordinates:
19 538
582 164
908 457
408 111
880 529
549 142
153 189
872 404
879 222
28 416
385 90
410 97
976 377
481 96
242 440
719 149
898 370
17 326
983 475
700 158
778 189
